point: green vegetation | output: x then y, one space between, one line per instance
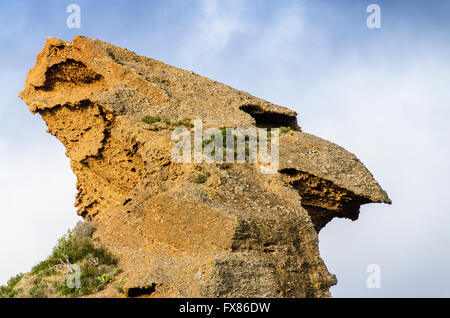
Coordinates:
201 178
223 136
223 133
283 130
186 122
10 290
223 130
120 285
172 123
39 290
49 278
105 279
73 249
150 119
115 60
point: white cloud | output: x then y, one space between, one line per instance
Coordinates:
214 28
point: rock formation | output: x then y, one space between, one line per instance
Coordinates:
187 229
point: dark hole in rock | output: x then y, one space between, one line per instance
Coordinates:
268 248
141 291
265 119
83 214
70 71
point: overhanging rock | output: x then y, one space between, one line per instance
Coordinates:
191 230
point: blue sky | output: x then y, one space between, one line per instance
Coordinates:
381 93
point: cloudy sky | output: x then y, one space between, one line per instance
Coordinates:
381 93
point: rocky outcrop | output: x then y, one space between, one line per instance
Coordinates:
191 229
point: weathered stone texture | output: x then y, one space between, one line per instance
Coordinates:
240 233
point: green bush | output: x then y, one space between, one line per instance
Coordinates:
186 122
39 291
74 251
105 278
284 130
150 119
120 285
93 279
98 267
9 290
223 131
201 178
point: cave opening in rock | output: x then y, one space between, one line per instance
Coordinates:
267 119
141 291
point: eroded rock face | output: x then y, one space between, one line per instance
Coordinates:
237 232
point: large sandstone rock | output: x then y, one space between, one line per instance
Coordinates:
235 233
